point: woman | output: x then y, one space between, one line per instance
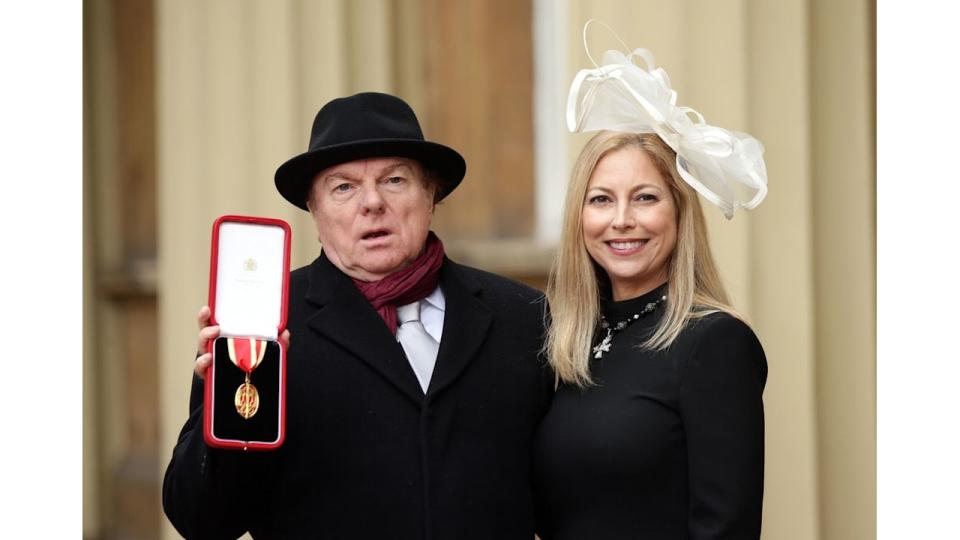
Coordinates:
656 430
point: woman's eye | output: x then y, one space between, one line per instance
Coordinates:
646 197
598 199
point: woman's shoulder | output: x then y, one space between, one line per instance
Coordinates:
722 341
715 324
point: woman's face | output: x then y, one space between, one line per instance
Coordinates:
629 222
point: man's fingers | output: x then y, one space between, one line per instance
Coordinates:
203 362
206 334
203 318
285 339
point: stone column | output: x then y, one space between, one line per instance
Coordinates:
238 85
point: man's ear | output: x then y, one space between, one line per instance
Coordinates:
311 195
312 208
434 195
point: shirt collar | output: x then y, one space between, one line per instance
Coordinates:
436 299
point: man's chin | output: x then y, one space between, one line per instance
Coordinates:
377 269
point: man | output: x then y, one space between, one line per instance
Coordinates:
414 383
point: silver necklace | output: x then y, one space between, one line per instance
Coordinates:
604 345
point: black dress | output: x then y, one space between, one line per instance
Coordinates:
666 445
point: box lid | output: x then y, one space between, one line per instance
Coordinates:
249 271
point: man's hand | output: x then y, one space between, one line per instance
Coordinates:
208 333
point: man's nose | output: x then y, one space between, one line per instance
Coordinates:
372 202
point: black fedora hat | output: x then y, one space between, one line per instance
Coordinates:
361 126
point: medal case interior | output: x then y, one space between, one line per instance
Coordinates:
249 271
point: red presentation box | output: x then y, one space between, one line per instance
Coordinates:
245 386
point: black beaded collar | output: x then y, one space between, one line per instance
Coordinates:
628 312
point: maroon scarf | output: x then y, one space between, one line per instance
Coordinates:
413 283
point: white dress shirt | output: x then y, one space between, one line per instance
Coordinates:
432 309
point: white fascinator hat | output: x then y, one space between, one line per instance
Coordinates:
725 167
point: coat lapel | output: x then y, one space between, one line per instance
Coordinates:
347 318
466 321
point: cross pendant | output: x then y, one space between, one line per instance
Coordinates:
604 345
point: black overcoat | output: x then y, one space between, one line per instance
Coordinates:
367 454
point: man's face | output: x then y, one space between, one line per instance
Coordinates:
372 215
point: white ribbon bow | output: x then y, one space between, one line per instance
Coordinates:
726 167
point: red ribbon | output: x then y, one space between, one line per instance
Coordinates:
246 353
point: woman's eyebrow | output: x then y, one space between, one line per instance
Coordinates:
634 188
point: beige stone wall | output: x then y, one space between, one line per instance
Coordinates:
238 83
844 238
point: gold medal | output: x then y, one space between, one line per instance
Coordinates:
247 399
246 354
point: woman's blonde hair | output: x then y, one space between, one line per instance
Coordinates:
694 288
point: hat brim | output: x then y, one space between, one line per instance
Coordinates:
295 177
